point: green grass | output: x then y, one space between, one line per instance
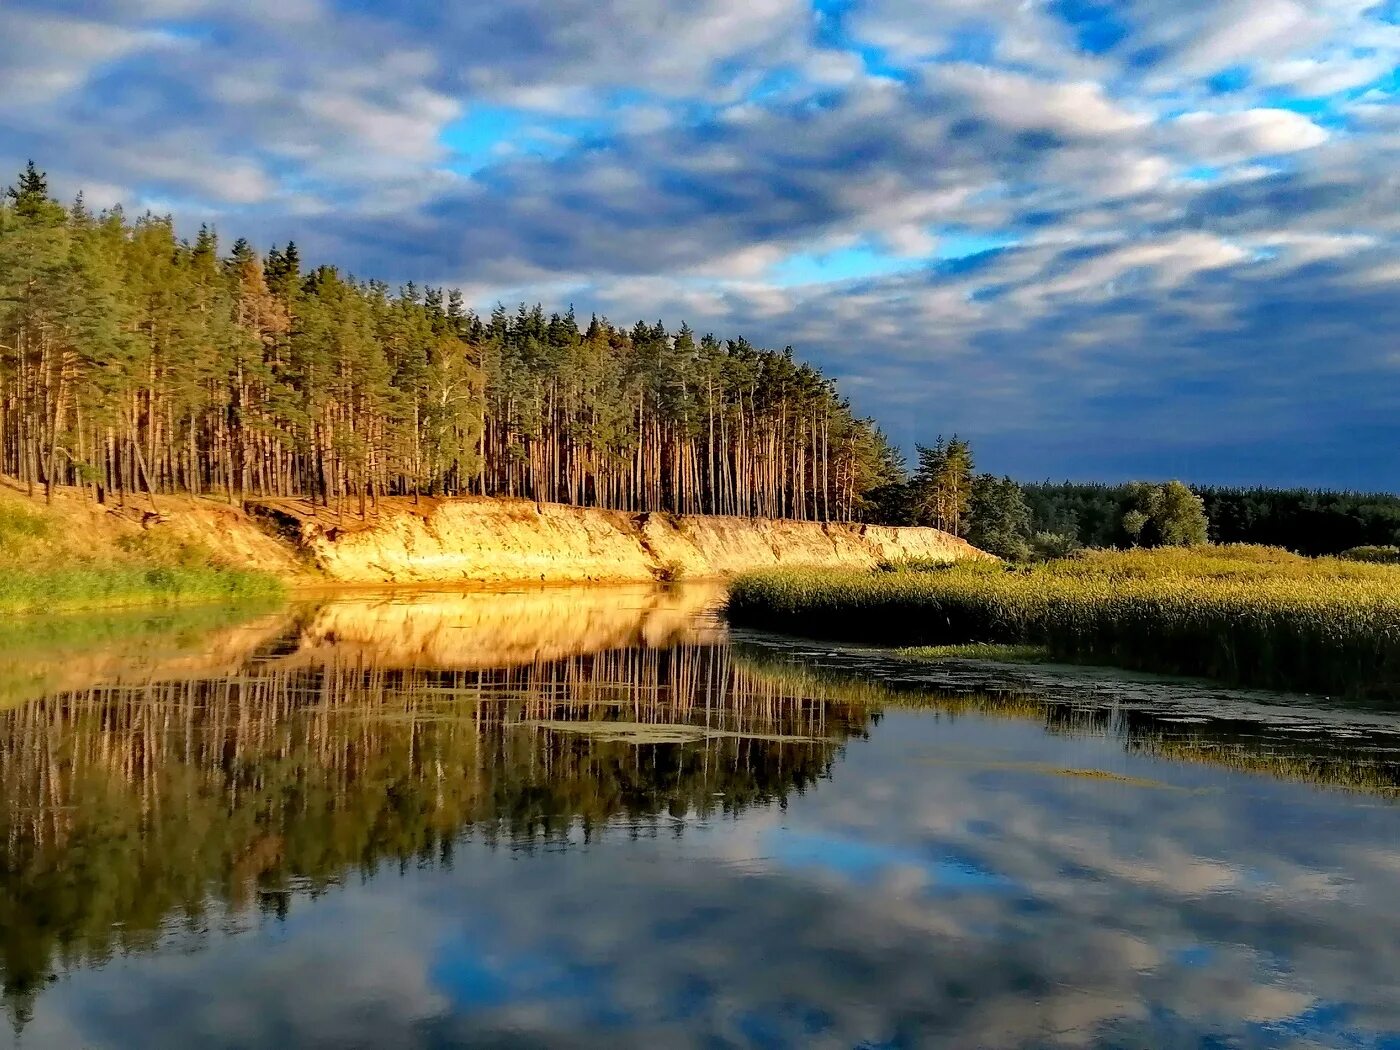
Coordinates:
1246 615
103 585
1006 654
48 566
19 525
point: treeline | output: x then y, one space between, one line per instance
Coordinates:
1021 521
945 491
132 361
1304 520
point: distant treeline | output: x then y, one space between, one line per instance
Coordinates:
1048 519
1304 520
131 360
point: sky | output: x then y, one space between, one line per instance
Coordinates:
1142 239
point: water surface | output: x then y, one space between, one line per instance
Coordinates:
587 817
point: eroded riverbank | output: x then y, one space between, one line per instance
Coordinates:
184 548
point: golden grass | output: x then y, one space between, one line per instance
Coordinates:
1248 615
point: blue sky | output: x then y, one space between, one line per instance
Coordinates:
1102 240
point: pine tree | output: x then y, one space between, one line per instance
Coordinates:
136 363
943 484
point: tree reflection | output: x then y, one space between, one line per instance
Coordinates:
131 811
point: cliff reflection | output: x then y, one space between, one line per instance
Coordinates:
508 628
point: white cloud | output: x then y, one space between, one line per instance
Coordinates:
1079 108
1225 138
45 57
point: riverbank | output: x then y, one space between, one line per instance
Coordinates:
480 540
1248 616
73 553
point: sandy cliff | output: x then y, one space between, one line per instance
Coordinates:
506 540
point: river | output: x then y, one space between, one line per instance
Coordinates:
590 817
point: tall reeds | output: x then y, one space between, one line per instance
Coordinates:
1250 616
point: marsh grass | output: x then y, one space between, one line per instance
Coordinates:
1005 654
1375 555
1245 615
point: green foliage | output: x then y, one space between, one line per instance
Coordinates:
999 521
1047 546
1168 515
1253 616
1307 521
941 489
134 362
1387 555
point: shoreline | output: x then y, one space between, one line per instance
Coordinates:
74 554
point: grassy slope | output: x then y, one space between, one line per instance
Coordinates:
71 557
1253 616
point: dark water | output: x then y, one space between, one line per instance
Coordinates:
589 819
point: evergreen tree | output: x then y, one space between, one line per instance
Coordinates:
998 519
137 364
942 484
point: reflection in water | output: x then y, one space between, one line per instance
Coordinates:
127 804
506 628
1336 748
421 822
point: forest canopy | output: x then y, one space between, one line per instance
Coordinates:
134 361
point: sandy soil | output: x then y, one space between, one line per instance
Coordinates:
511 540
475 540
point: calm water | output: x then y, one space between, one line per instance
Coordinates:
588 818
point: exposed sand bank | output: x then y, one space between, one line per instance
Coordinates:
465 540
510 540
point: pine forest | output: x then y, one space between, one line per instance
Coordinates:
132 361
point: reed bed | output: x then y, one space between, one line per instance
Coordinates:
1245 615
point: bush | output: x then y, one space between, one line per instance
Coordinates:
1049 545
